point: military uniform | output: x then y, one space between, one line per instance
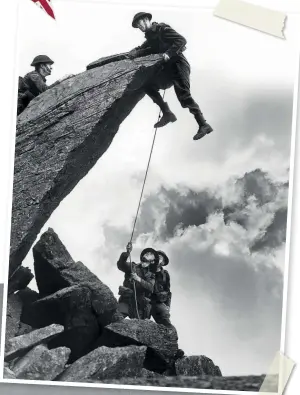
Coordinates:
32 85
161 38
144 289
161 298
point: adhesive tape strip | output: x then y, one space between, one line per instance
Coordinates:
254 16
278 375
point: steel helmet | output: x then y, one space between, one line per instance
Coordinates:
164 257
140 15
41 59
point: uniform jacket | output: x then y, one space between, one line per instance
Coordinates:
32 85
162 292
161 38
146 286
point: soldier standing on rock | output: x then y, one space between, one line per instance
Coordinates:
161 296
34 82
138 285
161 38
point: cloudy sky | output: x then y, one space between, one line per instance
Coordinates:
217 206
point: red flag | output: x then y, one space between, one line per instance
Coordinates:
46 6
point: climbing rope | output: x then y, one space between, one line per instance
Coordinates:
139 206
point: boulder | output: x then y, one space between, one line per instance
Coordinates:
40 363
18 346
13 315
196 366
106 363
62 134
20 279
160 340
55 270
72 308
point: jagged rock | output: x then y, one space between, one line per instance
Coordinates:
61 135
27 296
13 315
20 279
18 346
72 308
106 363
161 341
196 366
8 373
41 363
55 270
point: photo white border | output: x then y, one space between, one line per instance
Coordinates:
206 7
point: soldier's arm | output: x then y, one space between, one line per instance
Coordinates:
142 50
168 289
147 283
122 263
175 40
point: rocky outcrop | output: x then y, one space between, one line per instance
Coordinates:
41 363
56 270
107 363
196 366
19 345
61 135
80 341
160 340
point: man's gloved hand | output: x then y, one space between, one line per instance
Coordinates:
135 277
129 247
166 57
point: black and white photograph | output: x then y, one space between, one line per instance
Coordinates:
151 197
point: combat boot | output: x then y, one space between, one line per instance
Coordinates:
168 116
204 127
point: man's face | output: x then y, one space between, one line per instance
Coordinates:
143 24
46 69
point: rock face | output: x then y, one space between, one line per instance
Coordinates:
196 366
55 270
161 341
72 308
107 363
20 345
41 363
74 123
13 315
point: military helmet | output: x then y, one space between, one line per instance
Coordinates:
41 59
163 255
140 15
150 255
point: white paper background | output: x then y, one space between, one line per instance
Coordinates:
7 34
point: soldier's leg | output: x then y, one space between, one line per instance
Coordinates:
182 89
161 314
168 115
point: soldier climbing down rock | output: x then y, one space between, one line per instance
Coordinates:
34 82
138 285
161 38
